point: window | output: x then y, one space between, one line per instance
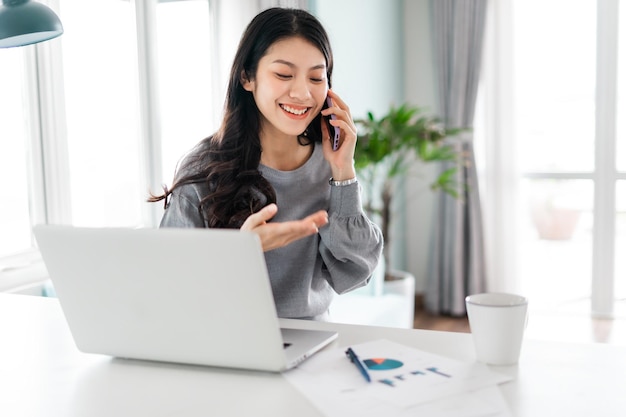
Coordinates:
620 189
184 78
102 113
146 103
555 72
14 154
620 248
97 118
560 127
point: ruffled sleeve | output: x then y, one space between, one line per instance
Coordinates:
351 245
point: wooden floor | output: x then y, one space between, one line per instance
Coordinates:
570 326
424 320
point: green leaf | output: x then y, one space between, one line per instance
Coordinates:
402 133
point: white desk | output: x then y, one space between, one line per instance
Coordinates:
43 374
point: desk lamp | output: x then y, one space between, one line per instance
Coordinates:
24 22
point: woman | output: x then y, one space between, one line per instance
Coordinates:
267 169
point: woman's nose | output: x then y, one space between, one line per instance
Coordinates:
299 89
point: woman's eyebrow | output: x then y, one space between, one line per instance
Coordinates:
292 65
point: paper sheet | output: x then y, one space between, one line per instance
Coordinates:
405 381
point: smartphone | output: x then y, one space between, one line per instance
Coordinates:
334 131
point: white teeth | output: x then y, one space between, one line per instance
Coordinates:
294 111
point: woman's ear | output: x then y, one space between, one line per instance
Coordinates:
245 81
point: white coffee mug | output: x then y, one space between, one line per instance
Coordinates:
497 322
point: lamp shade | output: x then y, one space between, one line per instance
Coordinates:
24 22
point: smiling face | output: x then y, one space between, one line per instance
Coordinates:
289 87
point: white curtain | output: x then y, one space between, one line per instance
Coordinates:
457 265
495 142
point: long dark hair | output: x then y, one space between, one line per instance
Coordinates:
228 160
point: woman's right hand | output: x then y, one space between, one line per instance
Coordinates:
342 160
279 234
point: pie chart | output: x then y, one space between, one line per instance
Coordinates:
382 364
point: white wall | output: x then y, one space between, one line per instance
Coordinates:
367 42
420 89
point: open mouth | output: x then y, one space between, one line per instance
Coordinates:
295 111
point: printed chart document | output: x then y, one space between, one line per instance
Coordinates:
404 381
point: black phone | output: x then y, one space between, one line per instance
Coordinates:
334 131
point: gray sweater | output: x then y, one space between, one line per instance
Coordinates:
305 274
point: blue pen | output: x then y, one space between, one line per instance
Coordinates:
357 362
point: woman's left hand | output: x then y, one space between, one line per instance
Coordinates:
278 234
342 160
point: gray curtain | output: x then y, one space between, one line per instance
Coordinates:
457 265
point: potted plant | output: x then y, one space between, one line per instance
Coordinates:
388 146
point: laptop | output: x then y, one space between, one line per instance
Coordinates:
192 296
